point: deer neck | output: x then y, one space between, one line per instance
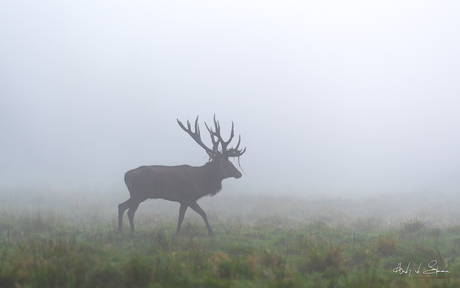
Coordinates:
211 178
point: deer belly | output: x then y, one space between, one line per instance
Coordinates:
171 192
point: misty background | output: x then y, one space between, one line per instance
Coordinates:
330 97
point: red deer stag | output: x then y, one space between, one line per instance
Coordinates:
184 184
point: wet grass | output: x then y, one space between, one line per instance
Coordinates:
48 247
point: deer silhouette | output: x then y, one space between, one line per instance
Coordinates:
184 184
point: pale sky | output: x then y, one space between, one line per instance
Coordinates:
328 96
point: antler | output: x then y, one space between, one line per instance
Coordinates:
196 136
232 152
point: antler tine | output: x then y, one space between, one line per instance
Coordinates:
215 144
239 141
197 128
217 125
189 128
182 125
235 152
209 129
231 133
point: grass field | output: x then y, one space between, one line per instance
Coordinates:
69 239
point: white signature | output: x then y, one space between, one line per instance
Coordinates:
432 265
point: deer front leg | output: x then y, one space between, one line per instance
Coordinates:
182 209
200 211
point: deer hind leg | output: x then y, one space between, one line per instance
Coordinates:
121 210
182 209
200 211
131 211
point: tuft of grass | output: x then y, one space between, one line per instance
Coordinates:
137 271
220 265
162 240
435 232
321 258
272 259
386 246
431 254
362 258
456 242
413 226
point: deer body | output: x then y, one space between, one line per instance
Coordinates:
184 184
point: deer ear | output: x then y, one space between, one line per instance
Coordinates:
212 156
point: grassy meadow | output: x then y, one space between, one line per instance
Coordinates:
69 239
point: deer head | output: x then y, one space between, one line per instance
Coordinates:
216 154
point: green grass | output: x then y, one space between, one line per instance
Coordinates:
51 247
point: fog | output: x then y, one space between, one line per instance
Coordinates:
330 97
